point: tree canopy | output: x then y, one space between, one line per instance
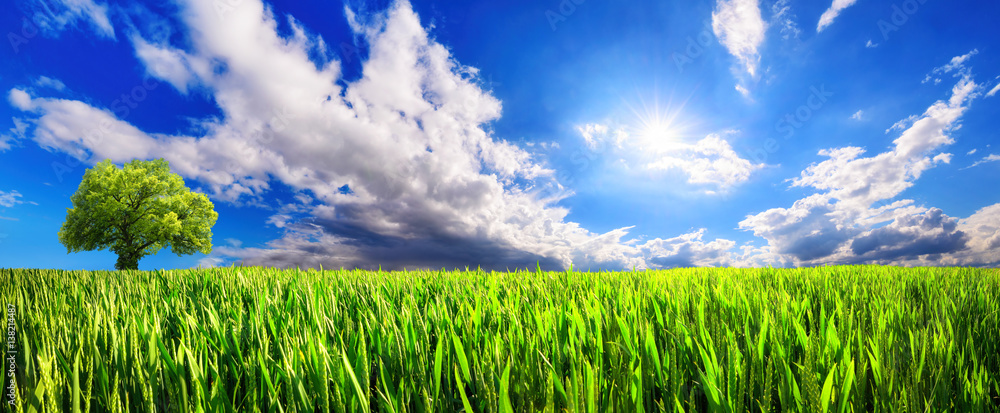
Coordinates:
136 211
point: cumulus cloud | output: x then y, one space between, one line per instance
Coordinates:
688 250
54 16
909 237
395 168
831 13
710 161
856 193
983 229
165 63
857 115
740 28
19 99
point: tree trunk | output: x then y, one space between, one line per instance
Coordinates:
127 261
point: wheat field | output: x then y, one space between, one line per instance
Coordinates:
248 339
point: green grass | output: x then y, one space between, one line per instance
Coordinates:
828 339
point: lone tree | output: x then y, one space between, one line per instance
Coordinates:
136 211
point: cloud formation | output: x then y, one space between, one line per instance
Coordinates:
709 162
393 169
740 28
782 16
399 168
856 193
831 13
986 159
54 16
993 91
9 199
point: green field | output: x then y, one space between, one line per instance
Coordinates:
826 339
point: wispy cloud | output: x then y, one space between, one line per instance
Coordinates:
857 115
9 140
9 199
782 16
986 159
957 65
994 90
57 15
831 13
740 28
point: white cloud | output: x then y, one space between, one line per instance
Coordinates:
855 193
710 161
17 133
48 82
56 15
165 63
395 168
782 16
9 199
857 115
827 18
19 99
870 44
740 28
973 151
743 90
993 91
957 64
6 142
687 250
983 228
85 132
589 131
986 159
210 262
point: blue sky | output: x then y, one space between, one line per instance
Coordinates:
501 134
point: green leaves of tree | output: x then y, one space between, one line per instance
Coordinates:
136 211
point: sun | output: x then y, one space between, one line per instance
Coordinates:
659 129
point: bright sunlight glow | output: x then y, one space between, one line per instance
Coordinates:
659 129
